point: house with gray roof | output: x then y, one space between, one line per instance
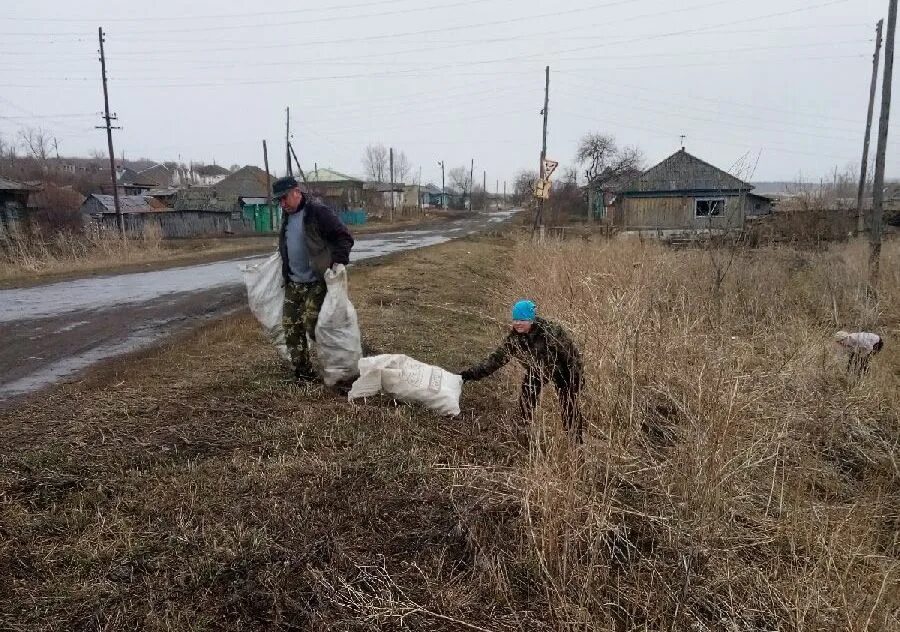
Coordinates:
685 193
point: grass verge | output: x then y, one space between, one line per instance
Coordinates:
733 477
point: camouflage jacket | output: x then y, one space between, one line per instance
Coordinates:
547 348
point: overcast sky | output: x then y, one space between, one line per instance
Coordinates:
781 85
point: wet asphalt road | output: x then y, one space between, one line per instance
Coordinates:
51 332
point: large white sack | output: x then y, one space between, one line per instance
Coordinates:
265 292
338 343
408 380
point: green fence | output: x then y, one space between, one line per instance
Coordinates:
265 218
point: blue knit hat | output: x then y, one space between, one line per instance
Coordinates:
524 310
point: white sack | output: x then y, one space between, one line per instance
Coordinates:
265 292
338 343
408 380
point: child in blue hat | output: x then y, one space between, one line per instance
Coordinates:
548 354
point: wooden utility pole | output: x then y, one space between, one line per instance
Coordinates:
296 160
504 191
268 187
471 184
538 216
881 150
120 221
443 187
860 216
419 191
287 143
484 186
392 183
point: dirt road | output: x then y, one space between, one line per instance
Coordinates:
53 331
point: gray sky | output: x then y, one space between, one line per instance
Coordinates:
784 81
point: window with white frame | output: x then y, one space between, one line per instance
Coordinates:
709 207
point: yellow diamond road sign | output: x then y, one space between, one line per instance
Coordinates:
549 167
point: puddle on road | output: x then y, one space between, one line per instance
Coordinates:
104 292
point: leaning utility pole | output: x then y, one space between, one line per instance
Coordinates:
392 183
299 168
881 150
860 216
268 187
109 128
287 142
538 216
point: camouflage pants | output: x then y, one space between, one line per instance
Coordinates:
302 302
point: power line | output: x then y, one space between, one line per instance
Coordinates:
205 16
631 98
753 127
668 134
696 97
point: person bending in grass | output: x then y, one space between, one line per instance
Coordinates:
860 346
548 354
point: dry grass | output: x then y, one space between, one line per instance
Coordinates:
733 479
36 258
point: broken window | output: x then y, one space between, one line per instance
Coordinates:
712 207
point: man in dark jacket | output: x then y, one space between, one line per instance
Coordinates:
312 240
548 354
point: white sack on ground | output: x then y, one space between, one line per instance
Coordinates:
408 380
338 343
265 292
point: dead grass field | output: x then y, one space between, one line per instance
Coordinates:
732 479
67 256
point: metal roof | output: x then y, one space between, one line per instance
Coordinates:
128 203
683 172
12 185
323 174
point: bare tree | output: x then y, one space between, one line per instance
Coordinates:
523 186
7 151
402 167
375 163
460 179
603 160
37 142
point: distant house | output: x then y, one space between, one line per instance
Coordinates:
209 174
339 190
14 198
384 194
602 191
684 193
226 195
157 175
432 197
100 204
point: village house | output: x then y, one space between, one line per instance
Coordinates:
208 174
685 194
433 197
336 189
14 198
